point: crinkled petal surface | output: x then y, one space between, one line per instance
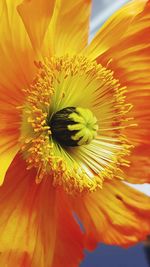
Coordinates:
115 26
128 56
116 215
69 28
36 224
15 53
139 171
36 15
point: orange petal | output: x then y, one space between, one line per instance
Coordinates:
15 54
36 15
139 170
131 65
69 239
15 51
114 29
128 56
7 155
36 224
69 29
9 128
17 259
130 62
116 214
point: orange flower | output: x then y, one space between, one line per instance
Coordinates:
74 129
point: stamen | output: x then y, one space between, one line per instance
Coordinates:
76 141
73 126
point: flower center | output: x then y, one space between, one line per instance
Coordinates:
73 126
74 122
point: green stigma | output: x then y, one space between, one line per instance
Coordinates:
73 126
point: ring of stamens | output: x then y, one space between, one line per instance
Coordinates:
70 167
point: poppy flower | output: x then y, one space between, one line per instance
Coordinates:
74 130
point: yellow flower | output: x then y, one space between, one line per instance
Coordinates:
74 129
